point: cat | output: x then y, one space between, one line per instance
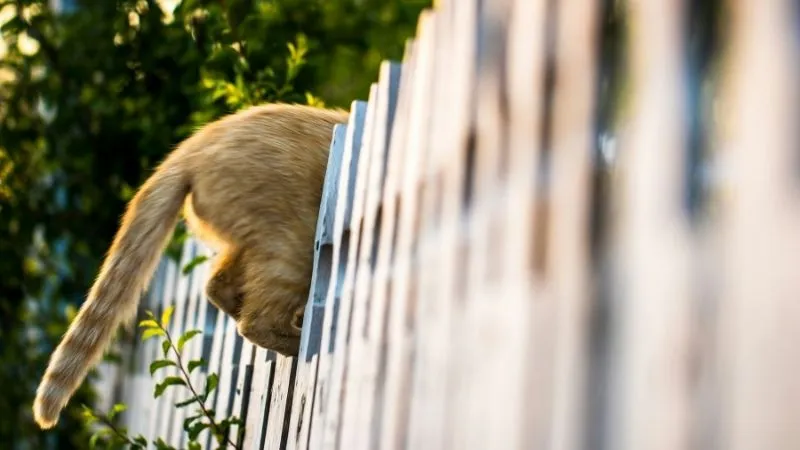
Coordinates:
250 187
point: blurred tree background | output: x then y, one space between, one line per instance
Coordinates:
94 93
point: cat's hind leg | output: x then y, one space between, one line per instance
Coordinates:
225 286
275 295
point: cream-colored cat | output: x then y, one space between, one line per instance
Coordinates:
250 184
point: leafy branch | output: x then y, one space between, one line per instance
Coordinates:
113 436
153 328
110 435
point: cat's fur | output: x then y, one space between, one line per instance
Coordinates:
250 185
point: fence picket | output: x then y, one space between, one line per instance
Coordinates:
483 305
335 415
526 211
341 245
381 286
228 372
568 255
214 362
315 309
395 420
759 220
358 272
426 425
243 380
373 305
651 295
281 402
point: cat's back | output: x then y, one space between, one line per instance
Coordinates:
265 165
269 137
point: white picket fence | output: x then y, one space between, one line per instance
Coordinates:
459 299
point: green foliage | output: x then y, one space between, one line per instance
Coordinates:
195 363
199 259
108 434
92 100
160 364
166 316
185 338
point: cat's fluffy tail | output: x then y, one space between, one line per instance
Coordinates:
145 230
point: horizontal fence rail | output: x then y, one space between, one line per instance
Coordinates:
491 270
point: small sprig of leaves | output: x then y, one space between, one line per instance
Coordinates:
111 436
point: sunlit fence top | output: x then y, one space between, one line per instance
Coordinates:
498 265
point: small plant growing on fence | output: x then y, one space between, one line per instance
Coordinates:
110 435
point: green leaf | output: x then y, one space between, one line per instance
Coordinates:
194 445
165 345
186 337
152 332
161 445
99 434
116 409
220 435
226 423
211 384
195 363
88 415
159 364
199 259
112 357
168 381
166 316
188 421
93 440
236 420
149 323
140 440
187 402
311 100
175 247
124 431
196 429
